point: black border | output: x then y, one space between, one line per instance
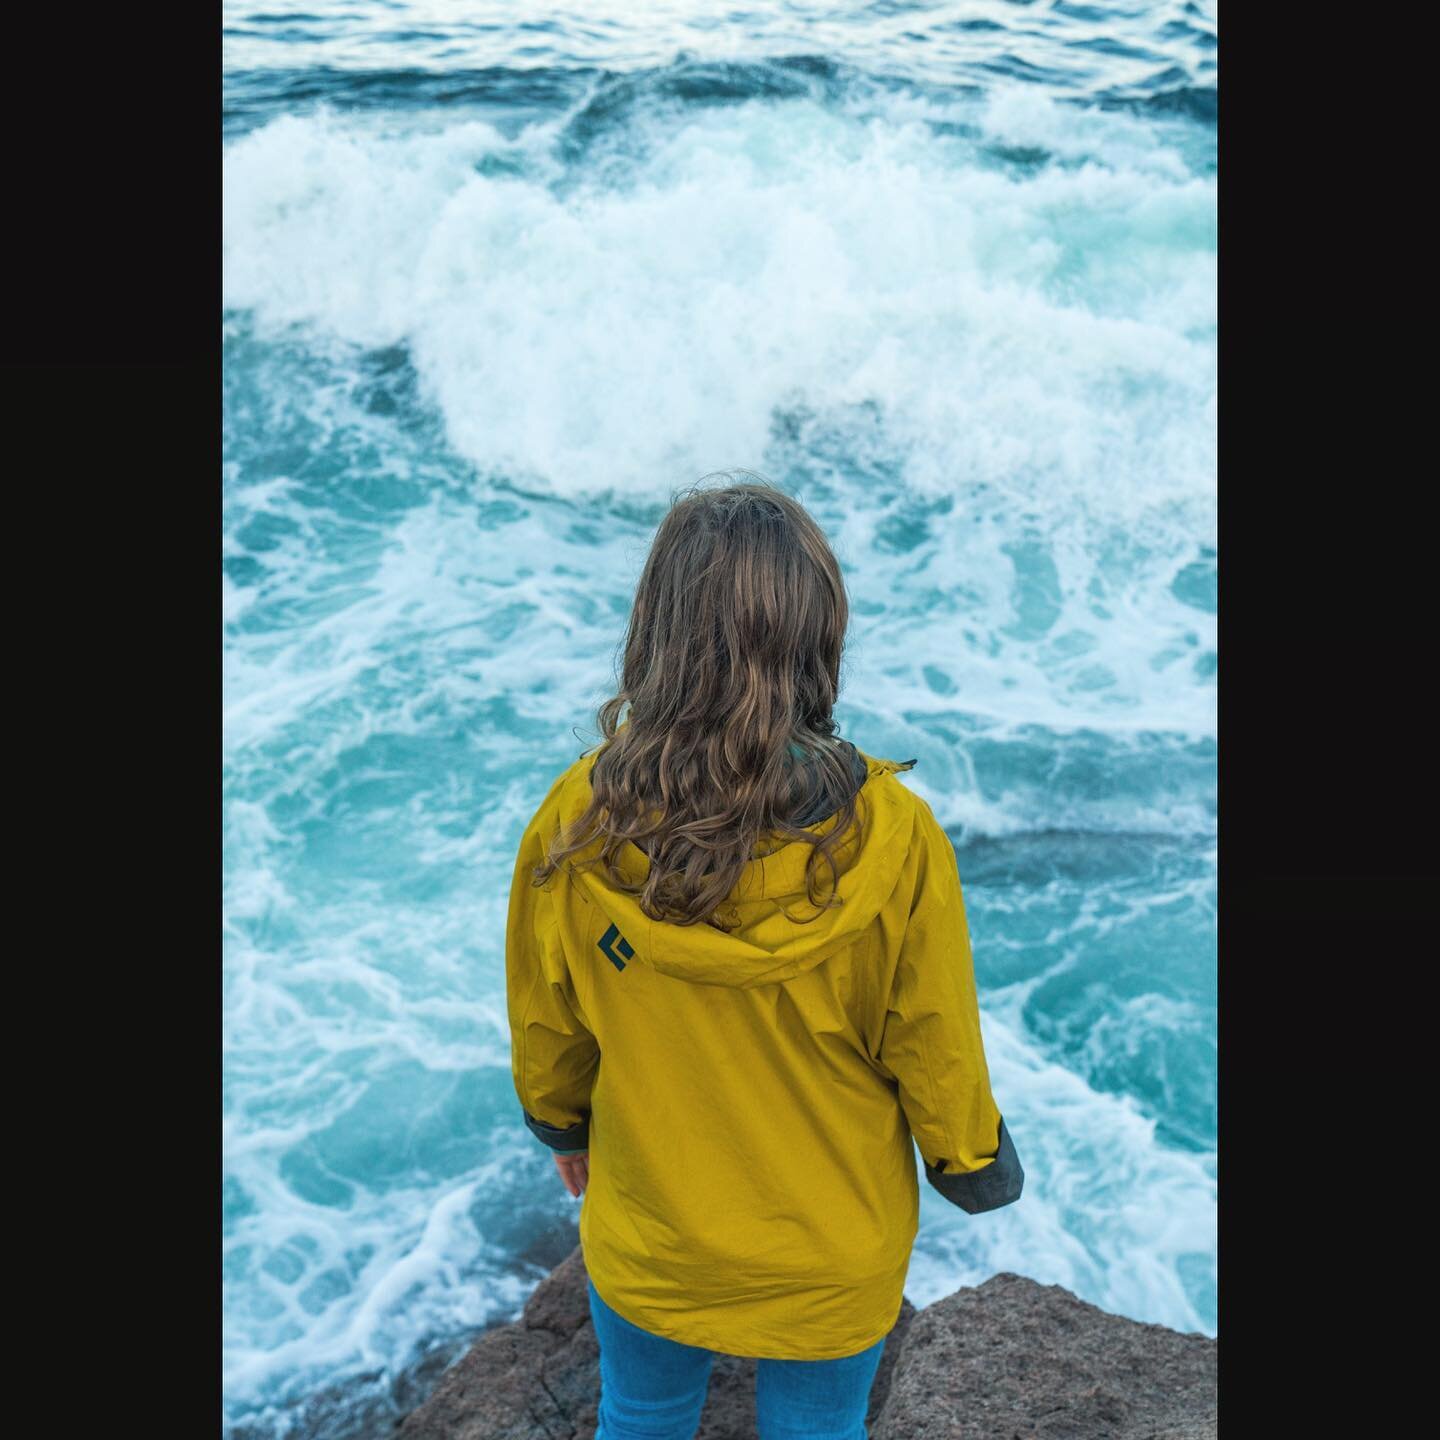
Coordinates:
109 367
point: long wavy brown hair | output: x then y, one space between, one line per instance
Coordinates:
731 671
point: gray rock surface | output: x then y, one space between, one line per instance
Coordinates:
1016 1360
1007 1360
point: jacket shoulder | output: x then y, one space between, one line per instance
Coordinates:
564 793
919 834
908 802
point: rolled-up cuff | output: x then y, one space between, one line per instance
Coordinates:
993 1185
571 1138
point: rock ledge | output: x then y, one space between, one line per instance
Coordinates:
1007 1360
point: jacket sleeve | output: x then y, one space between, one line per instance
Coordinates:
553 1057
931 1043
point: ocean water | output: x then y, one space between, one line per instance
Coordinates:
496 281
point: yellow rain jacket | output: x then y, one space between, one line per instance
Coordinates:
748 1099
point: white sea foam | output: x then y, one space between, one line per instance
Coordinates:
993 385
1086 1155
1037 352
602 336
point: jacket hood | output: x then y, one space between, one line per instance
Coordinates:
780 933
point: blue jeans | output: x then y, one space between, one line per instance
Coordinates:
654 1388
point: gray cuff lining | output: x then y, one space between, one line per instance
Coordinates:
570 1138
996 1184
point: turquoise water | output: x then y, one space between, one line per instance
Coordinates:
495 282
